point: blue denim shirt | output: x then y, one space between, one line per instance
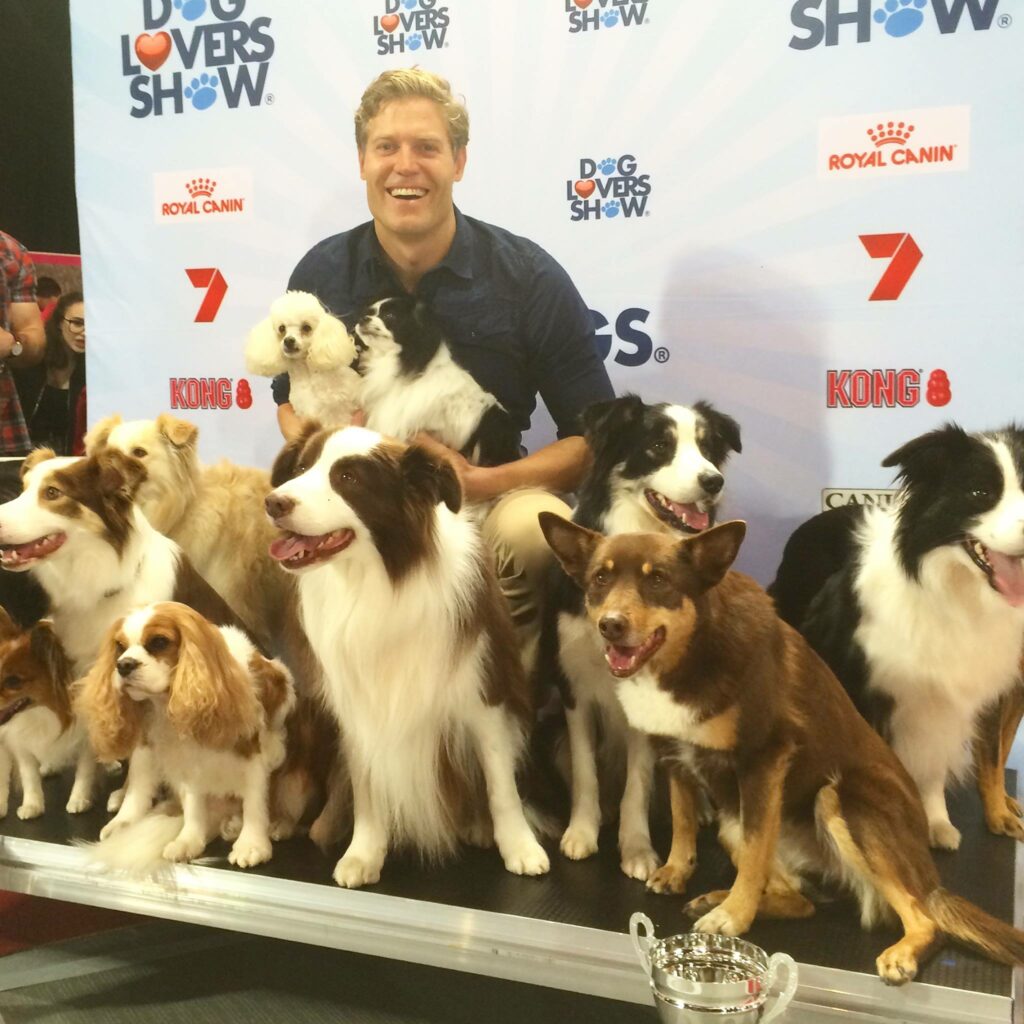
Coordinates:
513 317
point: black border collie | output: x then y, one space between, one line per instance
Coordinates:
656 468
919 608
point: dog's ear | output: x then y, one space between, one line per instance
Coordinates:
9 629
711 553
286 464
431 475
99 435
573 545
263 351
180 433
118 472
47 649
603 419
723 426
928 455
33 459
332 346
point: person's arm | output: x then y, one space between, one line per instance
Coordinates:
288 421
557 467
26 327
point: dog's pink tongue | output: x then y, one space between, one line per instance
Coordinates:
290 545
1008 576
620 658
692 516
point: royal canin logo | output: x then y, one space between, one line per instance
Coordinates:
209 393
884 389
922 141
839 497
181 197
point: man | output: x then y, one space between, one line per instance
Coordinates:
22 340
514 319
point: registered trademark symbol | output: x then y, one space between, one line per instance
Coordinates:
1005 21
269 99
661 355
647 213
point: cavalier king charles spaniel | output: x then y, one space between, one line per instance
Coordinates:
198 708
304 340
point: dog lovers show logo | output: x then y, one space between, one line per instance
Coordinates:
609 188
591 15
196 54
410 26
840 21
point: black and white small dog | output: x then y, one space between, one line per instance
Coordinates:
919 608
656 468
413 383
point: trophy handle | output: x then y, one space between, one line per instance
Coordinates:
786 995
642 940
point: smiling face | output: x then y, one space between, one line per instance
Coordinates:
409 168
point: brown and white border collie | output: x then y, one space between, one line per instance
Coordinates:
699 660
400 603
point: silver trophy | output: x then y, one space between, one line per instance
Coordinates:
697 978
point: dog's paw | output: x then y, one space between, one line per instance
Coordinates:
897 966
1006 824
47 770
1014 807
325 831
526 858
249 851
478 833
639 861
78 802
700 905
579 842
115 800
281 829
669 879
30 809
352 872
720 921
943 836
112 826
183 849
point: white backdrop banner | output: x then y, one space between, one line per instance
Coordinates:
807 213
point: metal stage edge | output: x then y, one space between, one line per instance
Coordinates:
569 957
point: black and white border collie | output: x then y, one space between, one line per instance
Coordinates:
412 383
919 608
656 468
400 603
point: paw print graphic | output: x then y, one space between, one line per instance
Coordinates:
610 18
901 17
202 91
607 165
611 208
413 41
190 9
410 4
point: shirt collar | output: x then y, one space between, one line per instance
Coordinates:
459 258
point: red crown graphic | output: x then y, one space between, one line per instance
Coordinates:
891 133
200 187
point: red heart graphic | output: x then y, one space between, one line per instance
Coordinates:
153 50
583 4
584 188
389 22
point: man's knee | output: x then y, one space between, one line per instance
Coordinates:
513 532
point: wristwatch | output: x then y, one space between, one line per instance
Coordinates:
17 348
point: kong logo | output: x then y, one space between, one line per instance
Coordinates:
591 15
885 389
209 393
609 188
182 197
410 26
196 54
834 21
839 497
923 141
631 345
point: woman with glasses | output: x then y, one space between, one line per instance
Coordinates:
53 393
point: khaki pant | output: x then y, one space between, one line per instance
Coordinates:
521 554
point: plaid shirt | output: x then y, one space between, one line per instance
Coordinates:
17 284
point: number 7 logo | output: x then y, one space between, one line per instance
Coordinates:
216 287
905 258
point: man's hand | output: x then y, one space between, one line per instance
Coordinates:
27 326
479 483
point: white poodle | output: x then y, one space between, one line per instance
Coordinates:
304 340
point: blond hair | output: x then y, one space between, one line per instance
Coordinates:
403 83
